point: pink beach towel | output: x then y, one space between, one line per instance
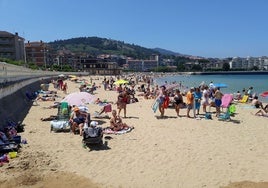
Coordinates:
226 100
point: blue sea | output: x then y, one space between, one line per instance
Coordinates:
234 82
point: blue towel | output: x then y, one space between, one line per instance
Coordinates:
155 105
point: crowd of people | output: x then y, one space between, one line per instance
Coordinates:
192 99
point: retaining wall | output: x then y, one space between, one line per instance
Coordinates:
13 101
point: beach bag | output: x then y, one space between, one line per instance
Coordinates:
59 124
208 116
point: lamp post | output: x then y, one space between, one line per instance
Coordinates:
24 51
22 40
44 57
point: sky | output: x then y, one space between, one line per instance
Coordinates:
207 28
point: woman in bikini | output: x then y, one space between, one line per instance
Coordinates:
116 123
178 102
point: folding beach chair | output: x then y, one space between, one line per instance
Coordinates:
227 115
62 121
105 109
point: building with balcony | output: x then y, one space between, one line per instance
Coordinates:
248 63
38 53
97 67
142 65
12 46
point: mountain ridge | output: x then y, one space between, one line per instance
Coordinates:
96 45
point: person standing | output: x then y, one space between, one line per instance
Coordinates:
189 101
64 88
197 97
178 101
163 99
205 98
218 96
122 100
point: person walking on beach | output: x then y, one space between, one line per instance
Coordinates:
163 100
189 101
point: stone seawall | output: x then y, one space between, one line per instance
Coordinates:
13 101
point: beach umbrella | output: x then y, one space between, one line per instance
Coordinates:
79 98
220 85
264 94
121 81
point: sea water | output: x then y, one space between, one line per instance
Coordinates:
234 82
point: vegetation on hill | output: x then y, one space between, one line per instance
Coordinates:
95 45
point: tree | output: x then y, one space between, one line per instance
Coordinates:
225 67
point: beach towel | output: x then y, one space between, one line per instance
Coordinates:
155 105
110 131
107 108
59 125
226 100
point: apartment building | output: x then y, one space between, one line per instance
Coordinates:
12 46
97 67
142 65
248 63
38 53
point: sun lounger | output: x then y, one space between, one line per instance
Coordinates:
244 99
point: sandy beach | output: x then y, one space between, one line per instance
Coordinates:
171 152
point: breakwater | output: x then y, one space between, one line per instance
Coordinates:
230 73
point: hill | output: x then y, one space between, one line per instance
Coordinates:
167 52
96 45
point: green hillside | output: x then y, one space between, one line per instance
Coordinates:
95 45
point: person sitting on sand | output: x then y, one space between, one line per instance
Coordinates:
238 96
77 119
116 123
255 102
262 112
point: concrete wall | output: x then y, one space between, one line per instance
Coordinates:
13 101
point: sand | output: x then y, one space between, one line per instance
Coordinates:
170 152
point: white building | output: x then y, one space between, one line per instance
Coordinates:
249 62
